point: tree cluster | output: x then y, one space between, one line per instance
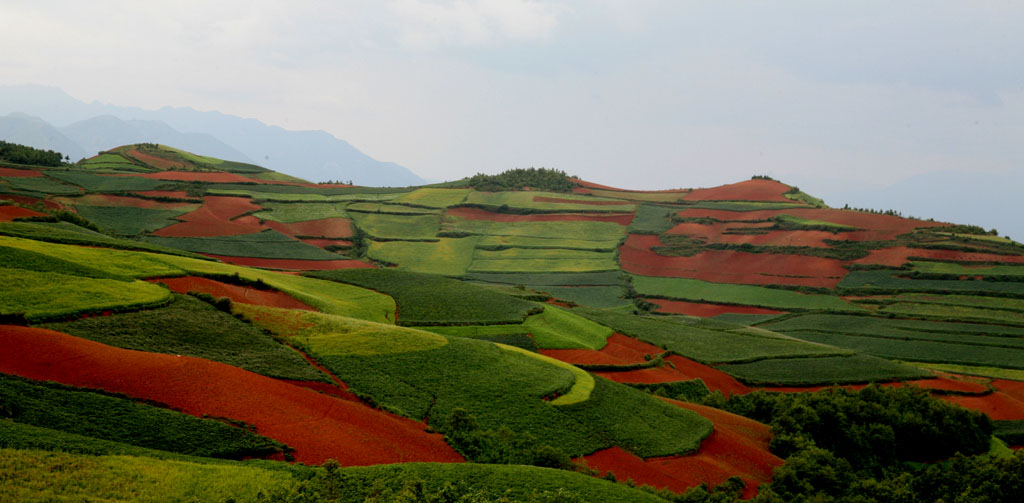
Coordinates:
551 180
20 154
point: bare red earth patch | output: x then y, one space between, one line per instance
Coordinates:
727 266
9 213
324 243
214 218
872 226
176 194
29 200
243 294
998 405
295 265
738 446
619 350
706 310
899 255
323 228
19 173
480 214
317 426
154 161
198 176
135 202
749 190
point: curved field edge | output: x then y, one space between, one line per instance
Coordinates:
583 382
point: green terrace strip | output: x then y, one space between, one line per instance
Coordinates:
445 256
854 369
557 328
1011 432
583 382
501 387
1007 356
999 373
504 242
78 477
542 260
129 220
652 219
590 296
433 198
1001 303
892 281
191 327
68 233
895 329
608 278
266 244
585 231
546 202
789 222
291 197
957 270
300 212
110 161
93 182
93 414
398 227
391 209
746 295
426 299
37 186
954 312
18 258
327 296
40 296
709 345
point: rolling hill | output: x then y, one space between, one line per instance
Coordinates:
550 331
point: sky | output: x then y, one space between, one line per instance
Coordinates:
843 96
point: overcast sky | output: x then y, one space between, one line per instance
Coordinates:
637 94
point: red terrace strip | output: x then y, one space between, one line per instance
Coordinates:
295 265
324 243
243 294
900 255
876 227
9 213
998 405
20 173
685 370
317 426
177 194
136 202
727 266
214 219
619 350
738 446
197 176
944 382
28 201
705 310
327 227
716 233
547 199
327 389
592 185
154 161
750 190
480 214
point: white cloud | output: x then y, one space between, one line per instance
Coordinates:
424 25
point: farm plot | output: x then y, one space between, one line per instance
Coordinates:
557 328
433 198
947 268
609 278
9 212
851 369
706 310
37 186
137 202
40 296
426 299
885 281
541 260
217 217
770 298
748 190
325 228
317 426
397 227
471 213
189 326
65 232
577 231
899 255
667 196
925 350
446 256
112 161
299 212
651 219
503 387
547 202
504 242
84 412
390 209
93 182
129 220
237 293
705 345
6 172
954 312
268 244
591 296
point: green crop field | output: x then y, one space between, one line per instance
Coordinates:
93 182
107 161
129 220
300 212
650 197
39 185
19 258
651 219
65 232
266 244
974 370
390 209
924 350
105 417
883 327
583 383
703 344
43 296
822 371
503 242
433 198
965 270
607 278
557 328
962 300
954 312
191 327
527 201
541 260
426 299
577 231
397 227
115 263
590 296
447 256
888 281
790 222
703 291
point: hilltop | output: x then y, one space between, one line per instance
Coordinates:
551 330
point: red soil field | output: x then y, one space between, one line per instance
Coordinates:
19 173
998 405
243 294
592 185
749 190
726 266
28 201
716 233
154 161
738 446
214 219
547 199
324 243
198 176
177 194
9 213
943 382
327 389
295 265
619 350
900 255
325 228
1014 389
480 214
705 310
874 227
136 202
317 426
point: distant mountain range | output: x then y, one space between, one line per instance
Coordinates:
46 117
